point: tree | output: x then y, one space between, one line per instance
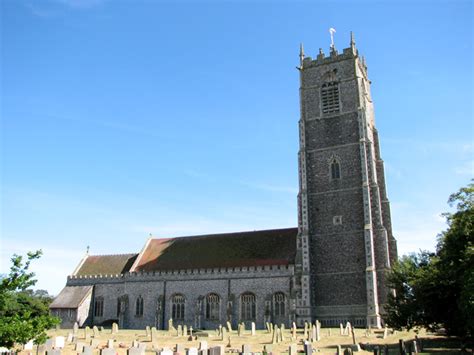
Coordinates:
24 314
436 290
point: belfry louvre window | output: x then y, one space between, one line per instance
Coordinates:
335 170
330 97
212 306
177 308
139 307
248 306
99 307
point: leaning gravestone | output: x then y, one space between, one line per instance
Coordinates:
229 326
293 331
87 333
341 329
275 335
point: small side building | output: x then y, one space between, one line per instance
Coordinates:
72 305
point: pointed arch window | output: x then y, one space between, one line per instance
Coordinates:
139 306
335 169
248 306
279 304
330 97
213 306
177 307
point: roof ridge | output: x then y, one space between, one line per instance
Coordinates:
225 233
122 254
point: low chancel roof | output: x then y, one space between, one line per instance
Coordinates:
71 297
256 248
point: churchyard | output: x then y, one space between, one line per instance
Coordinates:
273 340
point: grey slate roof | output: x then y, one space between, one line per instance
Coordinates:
71 297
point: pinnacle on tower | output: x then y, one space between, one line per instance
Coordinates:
352 40
301 54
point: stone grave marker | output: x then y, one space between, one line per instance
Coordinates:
114 328
282 327
135 351
53 352
166 351
385 333
75 328
28 346
70 337
308 348
293 331
87 350
348 331
95 331
339 350
292 349
192 351
305 334
107 351
58 342
101 328
318 330
223 334
252 329
246 349
180 348
268 348
341 329
180 330
87 333
313 334
275 335
280 334
110 343
49 344
154 334
79 346
95 343
203 345
185 330
229 326
239 330
219 330
229 343
217 350
147 331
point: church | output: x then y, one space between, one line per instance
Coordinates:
331 267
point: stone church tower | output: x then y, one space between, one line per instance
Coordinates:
345 243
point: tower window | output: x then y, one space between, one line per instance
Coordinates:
330 97
139 307
177 310
335 170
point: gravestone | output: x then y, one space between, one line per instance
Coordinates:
28 346
253 329
79 347
308 348
239 330
305 334
275 335
147 331
313 334
223 334
292 349
216 350
135 344
246 349
203 345
341 328
229 344
95 343
339 349
95 331
229 326
268 348
180 330
192 351
329 332
280 334
53 352
318 330
87 350
348 330
70 337
293 331
58 342
87 333
166 351
110 343
101 328
135 351
75 328
185 330
219 330
282 327
154 334
180 348
107 351
115 328
385 333
49 344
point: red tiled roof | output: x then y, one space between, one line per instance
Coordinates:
106 264
267 247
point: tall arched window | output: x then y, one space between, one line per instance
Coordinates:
177 308
139 306
335 169
279 304
212 306
248 306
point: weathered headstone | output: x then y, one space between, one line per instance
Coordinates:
180 330
135 351
147 331
95 343
339 349
87 333
95 331
224 334
58 342
318 330
166 351
282 327
229 326
280 334
246 349
229 343
170 325
115 328
107 351
292 349
79 346
313 334
308 348
75 328
185 330
192 351
275 335
293 331
154 334
348 330
239 330
49 344
216 350
305 334
385 333
341 327
53 352
87 350
203 345
70 337
110 343
28 346
253 332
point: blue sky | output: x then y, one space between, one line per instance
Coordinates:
124 118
